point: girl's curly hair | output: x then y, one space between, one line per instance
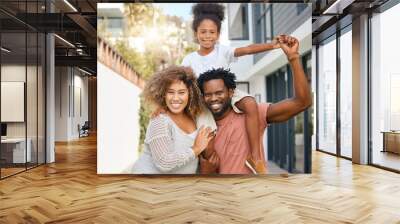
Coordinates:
156 88
212 11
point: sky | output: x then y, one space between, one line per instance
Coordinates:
110 5
184 10
177 9
174 9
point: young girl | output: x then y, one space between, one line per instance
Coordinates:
207 26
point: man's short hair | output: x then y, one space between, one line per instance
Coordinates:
220 73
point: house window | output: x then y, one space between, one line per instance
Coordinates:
263 15
300 7
238 21
269 31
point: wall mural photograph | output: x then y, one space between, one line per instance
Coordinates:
183 88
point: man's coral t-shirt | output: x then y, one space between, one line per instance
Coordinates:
231 142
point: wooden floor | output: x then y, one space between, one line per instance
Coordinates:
70 191
10 171
387 159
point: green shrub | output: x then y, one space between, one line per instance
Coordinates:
144 118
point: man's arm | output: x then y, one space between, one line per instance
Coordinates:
288 108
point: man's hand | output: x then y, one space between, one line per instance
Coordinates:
157 112
210 148
210 165
290 46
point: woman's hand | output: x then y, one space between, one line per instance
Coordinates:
203 137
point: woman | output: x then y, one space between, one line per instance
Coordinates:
173 142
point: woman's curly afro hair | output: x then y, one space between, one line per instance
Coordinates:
157 86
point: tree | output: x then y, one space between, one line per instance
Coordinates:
138 17
143 64
164 43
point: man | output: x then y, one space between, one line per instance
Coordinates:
231 146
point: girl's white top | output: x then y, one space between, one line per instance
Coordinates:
221 56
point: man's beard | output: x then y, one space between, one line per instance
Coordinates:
226 105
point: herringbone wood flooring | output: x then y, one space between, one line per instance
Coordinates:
70 191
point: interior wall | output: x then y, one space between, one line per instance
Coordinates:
61 103
92 107
80 104
118 122
314 91
71 102
17 73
